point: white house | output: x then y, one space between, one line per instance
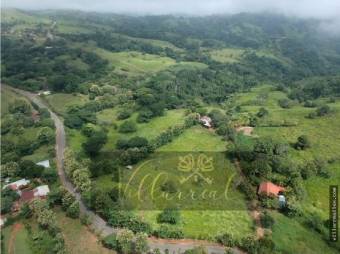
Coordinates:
41 191
17 185
206 121
44 93
45 163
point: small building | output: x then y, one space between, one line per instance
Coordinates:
17 185
39 192
282 200
270 189
45 163
206 121
129 167
44 93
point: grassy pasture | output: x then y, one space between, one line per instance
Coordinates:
8 97
21 244
322 131
135 63
318 191
148 130
291 237
60 102
196 139
226 55
78 238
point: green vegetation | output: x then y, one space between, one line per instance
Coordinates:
132 91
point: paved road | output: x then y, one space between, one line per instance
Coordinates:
97 223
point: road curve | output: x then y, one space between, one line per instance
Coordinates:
97 223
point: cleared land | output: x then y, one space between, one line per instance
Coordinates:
78 238
60 102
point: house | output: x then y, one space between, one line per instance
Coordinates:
45 163
206 121
44 93
270 189
39 192
17 185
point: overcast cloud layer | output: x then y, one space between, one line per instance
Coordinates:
302 8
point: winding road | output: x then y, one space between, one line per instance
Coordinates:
97 223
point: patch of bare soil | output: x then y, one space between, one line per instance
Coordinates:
11 246
247 130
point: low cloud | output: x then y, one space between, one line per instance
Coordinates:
301 8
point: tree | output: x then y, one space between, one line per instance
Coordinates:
267 221
285 103
95 142
82 180
73 210
127 127
125 240
124 114
25 211
19 106
262 112
302 143
29 169
10 169
46 135
323 110
141 243
88 129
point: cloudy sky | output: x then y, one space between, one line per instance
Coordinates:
301 8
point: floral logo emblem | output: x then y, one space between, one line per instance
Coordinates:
196 169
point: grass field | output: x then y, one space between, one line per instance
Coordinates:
196 139
318 191
322 131
8 97
60 102
78 238
291 237
19 237
226 55
148 130
135 63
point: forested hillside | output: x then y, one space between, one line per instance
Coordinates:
133 92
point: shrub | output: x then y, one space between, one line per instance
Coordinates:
73 210
285 103
169 187
124 114
167 231
267 221
323 110
302 143
111 242
171 216
262 112
227 240
127 127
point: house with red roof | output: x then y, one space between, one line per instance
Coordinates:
270 189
